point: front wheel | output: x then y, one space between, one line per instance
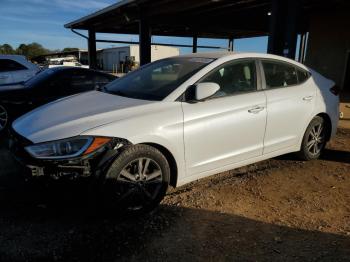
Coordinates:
314 140
4 118
137 180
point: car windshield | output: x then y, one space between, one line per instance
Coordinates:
157 80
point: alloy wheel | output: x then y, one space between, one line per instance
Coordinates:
138 183
316 139
3 118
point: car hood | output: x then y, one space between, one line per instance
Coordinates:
71 116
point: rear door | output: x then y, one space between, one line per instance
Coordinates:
290 100
229 127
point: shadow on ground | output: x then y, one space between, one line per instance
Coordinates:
71 231
336 156
41 223
333 155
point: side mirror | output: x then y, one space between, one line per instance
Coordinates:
206 90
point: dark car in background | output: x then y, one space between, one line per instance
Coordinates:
49 85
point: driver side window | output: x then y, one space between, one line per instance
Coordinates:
234 78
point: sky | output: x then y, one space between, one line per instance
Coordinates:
42 21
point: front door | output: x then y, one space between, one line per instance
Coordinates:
229 127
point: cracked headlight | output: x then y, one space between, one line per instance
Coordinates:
67 148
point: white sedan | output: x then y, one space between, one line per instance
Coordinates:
177 120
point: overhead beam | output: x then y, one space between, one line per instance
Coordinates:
160 44
217 34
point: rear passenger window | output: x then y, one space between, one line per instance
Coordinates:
302 75
7 65
279 74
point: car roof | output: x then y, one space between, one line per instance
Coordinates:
65 68
213 55
233 55
15 57
62 68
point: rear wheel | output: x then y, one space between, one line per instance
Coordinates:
4 118
137 180
314 140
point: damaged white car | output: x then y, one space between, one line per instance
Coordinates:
177 120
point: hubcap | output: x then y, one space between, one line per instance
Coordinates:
138 183
3 118
316 139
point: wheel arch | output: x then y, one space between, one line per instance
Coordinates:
171 160
328 123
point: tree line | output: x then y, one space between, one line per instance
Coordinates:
30 50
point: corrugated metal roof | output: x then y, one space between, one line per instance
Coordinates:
99 13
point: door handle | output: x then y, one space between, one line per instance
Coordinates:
256 109
308 98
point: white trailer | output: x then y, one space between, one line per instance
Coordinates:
111 58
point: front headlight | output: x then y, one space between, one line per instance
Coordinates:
67 148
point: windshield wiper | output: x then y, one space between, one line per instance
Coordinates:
101 88
117 92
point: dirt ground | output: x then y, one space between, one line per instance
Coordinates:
277 210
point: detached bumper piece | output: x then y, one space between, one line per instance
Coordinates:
71 171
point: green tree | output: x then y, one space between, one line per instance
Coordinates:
31 50
6 49
35 49
22 49
70 49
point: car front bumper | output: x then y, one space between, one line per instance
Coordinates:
93 164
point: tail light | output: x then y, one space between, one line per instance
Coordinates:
335 90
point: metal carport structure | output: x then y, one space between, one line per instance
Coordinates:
280 20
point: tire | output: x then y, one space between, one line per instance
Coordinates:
314 140
4 119
126 188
